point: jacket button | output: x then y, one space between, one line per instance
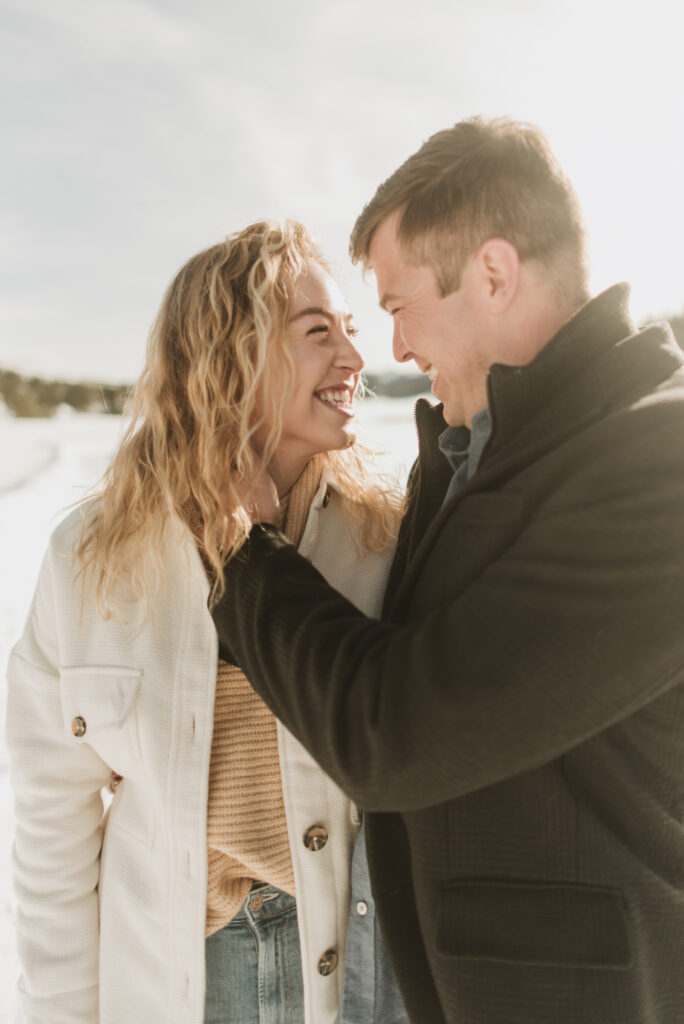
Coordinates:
114 780
315 837
362 908
78 726
327 963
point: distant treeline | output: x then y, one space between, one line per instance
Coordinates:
33 396
397 385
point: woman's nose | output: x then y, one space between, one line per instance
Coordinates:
349 355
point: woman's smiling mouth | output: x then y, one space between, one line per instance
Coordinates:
338 398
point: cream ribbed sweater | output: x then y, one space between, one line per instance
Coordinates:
246 825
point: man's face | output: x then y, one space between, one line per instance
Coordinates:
444 335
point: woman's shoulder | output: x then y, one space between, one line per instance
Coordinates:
66 535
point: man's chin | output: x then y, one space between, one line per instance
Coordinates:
453 415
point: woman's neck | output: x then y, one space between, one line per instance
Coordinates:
285 472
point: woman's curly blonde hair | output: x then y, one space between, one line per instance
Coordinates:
218 347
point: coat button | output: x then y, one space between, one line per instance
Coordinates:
78 726
362 908
315 837
327 963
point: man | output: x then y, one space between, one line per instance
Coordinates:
513 727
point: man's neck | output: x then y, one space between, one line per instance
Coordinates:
530 325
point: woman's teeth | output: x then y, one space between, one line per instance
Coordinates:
335 397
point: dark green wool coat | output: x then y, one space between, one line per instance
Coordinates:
514 727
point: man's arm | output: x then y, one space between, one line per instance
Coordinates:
574 627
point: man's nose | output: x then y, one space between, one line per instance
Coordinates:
400 350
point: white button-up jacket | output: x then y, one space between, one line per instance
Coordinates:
111 912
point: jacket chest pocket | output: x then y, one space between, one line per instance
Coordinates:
97 702
99 708
566 925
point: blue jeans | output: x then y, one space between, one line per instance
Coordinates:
253 964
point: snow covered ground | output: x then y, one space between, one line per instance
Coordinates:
45 466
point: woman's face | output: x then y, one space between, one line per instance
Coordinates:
320 413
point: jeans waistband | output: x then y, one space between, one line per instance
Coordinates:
264 901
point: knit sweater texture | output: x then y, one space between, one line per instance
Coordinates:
246 824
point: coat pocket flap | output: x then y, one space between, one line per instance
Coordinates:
526 922
96 698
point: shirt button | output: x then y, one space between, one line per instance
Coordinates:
78 726
315 837
362 908
327 963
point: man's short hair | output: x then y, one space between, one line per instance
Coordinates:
480 179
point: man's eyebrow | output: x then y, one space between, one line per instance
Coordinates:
319 311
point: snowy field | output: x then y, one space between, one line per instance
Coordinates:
45 466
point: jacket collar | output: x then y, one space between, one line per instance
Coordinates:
598 325
430 423
328 482
597 359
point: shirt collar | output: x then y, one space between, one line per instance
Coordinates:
460 445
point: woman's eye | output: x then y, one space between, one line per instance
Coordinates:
352 331
319 329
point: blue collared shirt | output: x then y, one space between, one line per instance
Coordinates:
371 993
463 448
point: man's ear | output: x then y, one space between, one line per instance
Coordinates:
498 267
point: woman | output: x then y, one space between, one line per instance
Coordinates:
219 817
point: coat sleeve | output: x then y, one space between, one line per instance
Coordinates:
57 785
573 627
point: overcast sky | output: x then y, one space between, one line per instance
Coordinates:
136 132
